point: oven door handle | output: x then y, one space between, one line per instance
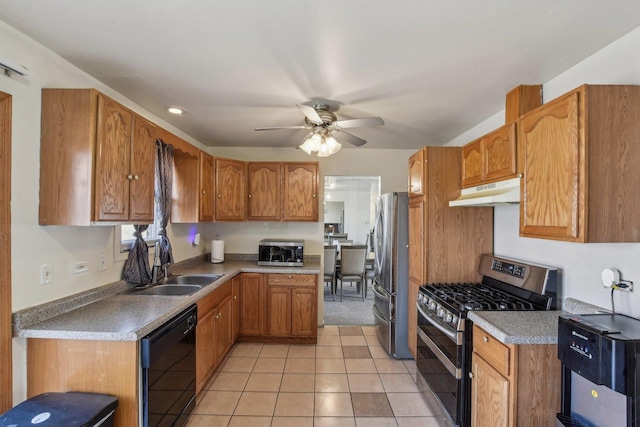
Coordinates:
453 370
428 317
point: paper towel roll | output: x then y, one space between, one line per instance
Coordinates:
217 251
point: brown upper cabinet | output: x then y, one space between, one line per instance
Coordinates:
490 158
97 160
265 191
207 187
581 153
497 156
282 191
231 184
416 174
300 191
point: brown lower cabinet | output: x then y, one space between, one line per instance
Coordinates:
234 311
213 332
513 385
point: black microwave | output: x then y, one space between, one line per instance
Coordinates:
281 252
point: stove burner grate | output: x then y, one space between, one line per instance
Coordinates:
469 296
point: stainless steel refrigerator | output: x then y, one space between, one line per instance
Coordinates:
391 283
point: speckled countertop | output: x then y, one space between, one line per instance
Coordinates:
528 327
106 314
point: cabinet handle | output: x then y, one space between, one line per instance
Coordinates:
485 339
129 177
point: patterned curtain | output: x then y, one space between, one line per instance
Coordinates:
136 268
164 183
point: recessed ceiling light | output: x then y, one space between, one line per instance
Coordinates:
175 110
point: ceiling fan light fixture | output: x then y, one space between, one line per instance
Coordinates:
311 143
332 145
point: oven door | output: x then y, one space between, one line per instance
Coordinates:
440 369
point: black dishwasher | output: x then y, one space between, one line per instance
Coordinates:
169 371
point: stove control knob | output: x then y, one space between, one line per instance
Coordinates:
432 305
448 318
441 312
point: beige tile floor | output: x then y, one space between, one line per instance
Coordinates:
346 380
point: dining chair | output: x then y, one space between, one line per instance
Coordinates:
352 267
330 255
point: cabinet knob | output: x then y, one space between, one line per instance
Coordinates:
235 297
204 192
249 195
136 177
471 375
129 177
485 339
289 276
219 196
314 196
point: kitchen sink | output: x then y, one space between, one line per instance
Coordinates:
182 285
193 279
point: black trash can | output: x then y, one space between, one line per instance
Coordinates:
73 409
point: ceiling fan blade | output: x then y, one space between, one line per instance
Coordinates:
351 139
281 127
310 113
354 123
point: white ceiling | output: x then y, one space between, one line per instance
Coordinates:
431 69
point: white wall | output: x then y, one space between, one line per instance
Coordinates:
581 264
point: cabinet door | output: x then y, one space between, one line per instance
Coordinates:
186 176
551 205
222 329
499 152
143 161
278 311
113 161
472 163
417 266
235 321
207 185
304 312
252 303
416 174
264 199
230 190
489 395
300 192
205 356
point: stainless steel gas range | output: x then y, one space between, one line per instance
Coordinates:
444 332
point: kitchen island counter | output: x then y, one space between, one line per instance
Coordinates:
105 313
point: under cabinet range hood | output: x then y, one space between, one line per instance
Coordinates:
505 192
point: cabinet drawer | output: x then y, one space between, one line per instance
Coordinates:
291 280
208 302
493 351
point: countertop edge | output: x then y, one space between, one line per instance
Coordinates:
32 322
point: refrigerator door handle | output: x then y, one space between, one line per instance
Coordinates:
382 295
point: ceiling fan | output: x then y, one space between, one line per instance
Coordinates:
326 128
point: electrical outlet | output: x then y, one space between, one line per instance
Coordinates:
46 274
102 262
80 267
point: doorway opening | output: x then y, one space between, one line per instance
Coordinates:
349 217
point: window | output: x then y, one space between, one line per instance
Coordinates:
123 239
